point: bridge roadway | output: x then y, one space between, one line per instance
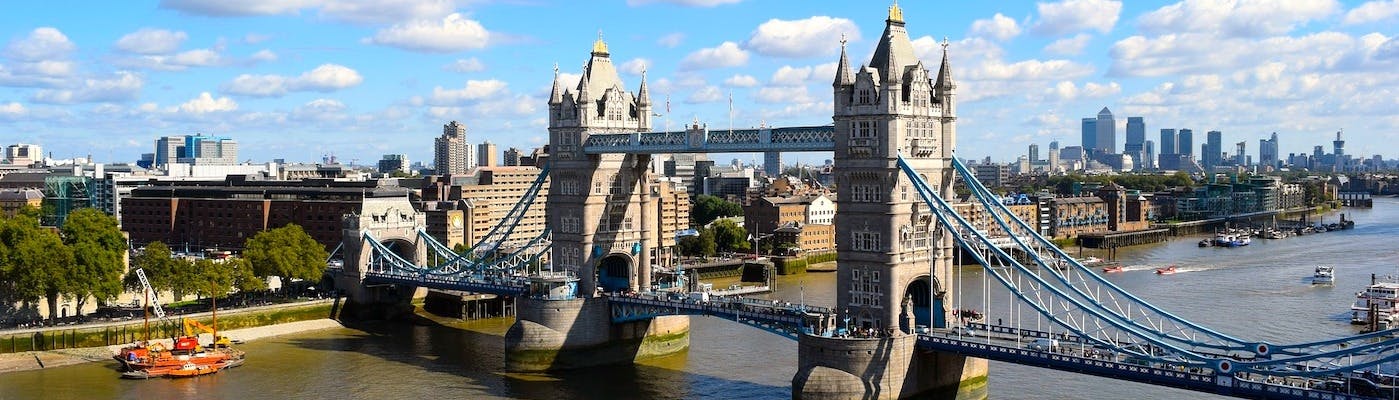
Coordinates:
783 318
1013 345
505 285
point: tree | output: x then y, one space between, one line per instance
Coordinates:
35 262
708 208
243 277
698 245
211 279
728 236
97 246
159 266
287 252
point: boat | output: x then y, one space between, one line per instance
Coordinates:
151 358
1090 260
1166 271
189 370
1324 275
1204 243
1378 305
1112 268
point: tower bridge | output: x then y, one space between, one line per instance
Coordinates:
585 295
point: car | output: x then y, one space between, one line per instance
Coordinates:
1043 344
964 331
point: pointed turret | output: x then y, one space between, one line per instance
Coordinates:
556 95
944 84
895 50
643 96
843 75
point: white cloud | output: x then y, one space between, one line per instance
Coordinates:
811 37
473 91
453 33
784 94
325 78
151 41
999 27
1372 11
1029 70
206 103
1235 17
707 94
320 110
741 80
224 8
690 3
726 54
671 40
386 11
255 38
264 55
46 68
794 76
44 43
1071 16
175 62
124 86
465 65
635 66
1194 53
1070 46
12 109
1067 90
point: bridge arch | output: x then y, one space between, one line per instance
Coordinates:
919 305
614 272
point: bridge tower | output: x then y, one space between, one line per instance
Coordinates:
394 222
598 204
888 239
602 215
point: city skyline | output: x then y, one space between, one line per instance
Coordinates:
367 78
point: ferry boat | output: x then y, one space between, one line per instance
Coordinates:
1377 305
1166 271
1324 275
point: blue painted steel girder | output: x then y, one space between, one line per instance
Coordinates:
785 139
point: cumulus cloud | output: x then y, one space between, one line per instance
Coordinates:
123 86
811 37
727 54
707 94
206 103
264 55
1067 90
1235 18
793 76
175 62
1372 11
784 94
1070 46
453 33
690 3
325 78
998 27
12 109
473 91
741 80
1071 16
465 65
222 8
1193 53
635 66
151 41
1030 70
671 40
44 43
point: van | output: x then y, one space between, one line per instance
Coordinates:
1043 344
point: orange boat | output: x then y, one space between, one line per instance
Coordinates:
190 370
150 359
1111 269
1166 271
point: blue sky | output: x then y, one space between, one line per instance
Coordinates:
296 79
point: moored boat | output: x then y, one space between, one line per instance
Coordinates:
1378 305
1166 271
1324 275
189 370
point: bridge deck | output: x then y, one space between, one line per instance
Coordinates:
783 318
503 287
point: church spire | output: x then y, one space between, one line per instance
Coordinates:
843 75
556 95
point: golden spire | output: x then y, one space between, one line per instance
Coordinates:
599 46
895 13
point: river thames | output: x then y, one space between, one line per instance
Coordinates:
1261 291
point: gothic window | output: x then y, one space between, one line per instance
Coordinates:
865 130
627 224
864 97
865 241
597 187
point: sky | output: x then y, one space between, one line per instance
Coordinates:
300 79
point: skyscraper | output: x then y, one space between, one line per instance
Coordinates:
450 151
1166 158
1053 156
1107 132
1268 151
1136 139
1185 142
1214 149
1089 135
1034 153
772 163
512 157
486 155
1149 155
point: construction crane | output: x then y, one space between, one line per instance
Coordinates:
191 327
151 294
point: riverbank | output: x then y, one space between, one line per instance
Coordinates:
32 360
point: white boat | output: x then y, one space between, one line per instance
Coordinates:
1378 301
1324 276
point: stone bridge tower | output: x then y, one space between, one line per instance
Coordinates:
894 262
597 207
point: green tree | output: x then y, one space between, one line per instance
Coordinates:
287 252
97 246
698 245
728 236
35 262
708 208
159 266
211 279
243 277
